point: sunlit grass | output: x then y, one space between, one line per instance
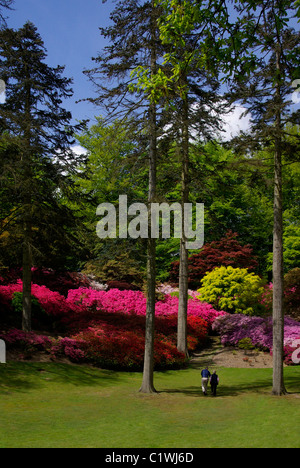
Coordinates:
60 405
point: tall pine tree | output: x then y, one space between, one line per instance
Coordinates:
188 83
264 86
134 42
40 133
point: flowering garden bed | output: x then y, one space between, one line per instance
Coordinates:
107 328
256 332
104 328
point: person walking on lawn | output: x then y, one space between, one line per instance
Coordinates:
205 374
214 382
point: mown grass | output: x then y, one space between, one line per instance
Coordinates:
67 406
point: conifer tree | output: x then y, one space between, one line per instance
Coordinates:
134 43
189 84
4 4
40 133
265 88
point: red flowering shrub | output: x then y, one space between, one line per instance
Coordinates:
292 293
119 349
226 252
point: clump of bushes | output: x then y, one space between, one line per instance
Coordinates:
248 332
106 328
226 252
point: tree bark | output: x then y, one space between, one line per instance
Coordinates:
148 372
27 204
183 267
27 264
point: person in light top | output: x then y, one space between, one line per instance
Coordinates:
205 374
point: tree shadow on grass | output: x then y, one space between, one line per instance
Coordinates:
23 376
261 386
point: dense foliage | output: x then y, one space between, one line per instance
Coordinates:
226 252
234 290
292 293
105 328
235 329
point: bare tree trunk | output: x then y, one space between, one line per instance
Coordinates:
27 212
27 264
183 267
148 379
278 310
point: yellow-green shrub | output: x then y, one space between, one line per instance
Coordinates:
233 290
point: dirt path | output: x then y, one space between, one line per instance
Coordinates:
215 355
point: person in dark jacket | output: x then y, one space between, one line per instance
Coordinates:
214 382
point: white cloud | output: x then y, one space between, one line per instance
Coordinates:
78 150
235 122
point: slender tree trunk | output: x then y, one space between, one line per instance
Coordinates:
27 257
27 264
148 373
278 310
183 267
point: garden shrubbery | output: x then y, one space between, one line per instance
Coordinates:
258 332
106 328
233 290
226 252
292 293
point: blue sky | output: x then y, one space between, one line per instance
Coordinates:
70 31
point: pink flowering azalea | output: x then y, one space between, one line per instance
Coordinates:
134 302
52 302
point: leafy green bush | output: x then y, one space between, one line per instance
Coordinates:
246 344
233 290
38 313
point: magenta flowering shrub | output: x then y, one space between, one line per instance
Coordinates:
52 302
30 342
20 339
134 302
234 328
68 347
61 282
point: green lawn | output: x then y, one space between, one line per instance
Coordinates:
60 405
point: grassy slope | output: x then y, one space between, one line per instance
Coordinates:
59 405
